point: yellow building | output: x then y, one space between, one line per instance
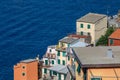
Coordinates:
92 24
63 57
97 63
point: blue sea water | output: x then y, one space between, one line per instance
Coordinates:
27 27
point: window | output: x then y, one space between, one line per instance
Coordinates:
59 75
68 45
63 62
111 41
46 62
52 61
45 71
78 69
88 26
74 59
88 34
54 73
65 76
23 74
58 61
50 50
64 54
58 54
81 33
81 25
68 58
23 67
50 73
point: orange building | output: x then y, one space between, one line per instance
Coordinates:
97 63
26 70
114 38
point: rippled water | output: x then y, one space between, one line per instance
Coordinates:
27 27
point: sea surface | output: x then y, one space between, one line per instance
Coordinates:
27 27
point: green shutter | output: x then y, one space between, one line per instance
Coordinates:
95 78
59 75
111 41
58 61
52 61
46 62
78 68
81 33
58 54
81 25
68 45
68 58
64 54
50 73
45 70
54 73
88 26
65 76
63 62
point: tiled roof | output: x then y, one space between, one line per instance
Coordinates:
97 56
68 40
91 18
115 34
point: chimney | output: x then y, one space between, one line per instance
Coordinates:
110 53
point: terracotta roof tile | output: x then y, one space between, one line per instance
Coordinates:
115 34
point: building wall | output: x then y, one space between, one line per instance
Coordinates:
79 76
104 73
86 30
96 29
61 57
30 70
116 42
100 28
63 45
53 50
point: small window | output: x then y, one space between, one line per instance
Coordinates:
88 34
111 41
23 67
65 76
58 54
79 69
52 61
88 26
68 58
64 54
81 33
50 73
68 45
23 74
59 75
54 73
45 71
63 62
81 25
46 62
50 50
58 61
